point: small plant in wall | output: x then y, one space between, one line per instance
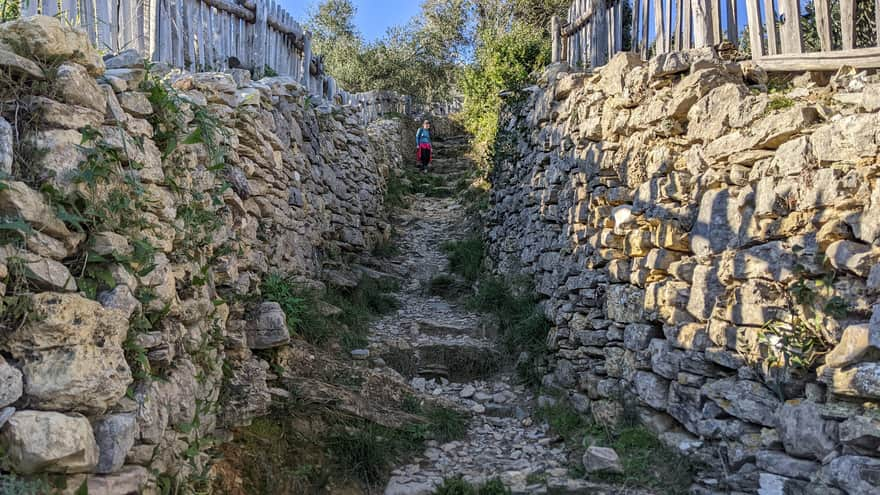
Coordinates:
795 345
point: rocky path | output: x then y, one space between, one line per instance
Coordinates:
448 353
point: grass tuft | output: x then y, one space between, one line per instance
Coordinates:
647 463
359 306
466 257
458 486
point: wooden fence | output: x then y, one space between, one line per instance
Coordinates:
207 35
595 28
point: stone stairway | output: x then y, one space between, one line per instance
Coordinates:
448 353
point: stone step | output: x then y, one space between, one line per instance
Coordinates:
463 362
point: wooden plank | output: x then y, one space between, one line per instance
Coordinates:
756 41
847 23
770 26
153 20
667 25
877 20
556 39
232 8
634 37
307 60
199 23
715 9
659 32
646 9
859 58
210 39
732 26
686 43
219 29
179 36
791 28
259 48
676 27
141 23
188 34
618 30
702 23
823 24
600 40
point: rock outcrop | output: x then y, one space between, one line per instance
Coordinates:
141 211
701 245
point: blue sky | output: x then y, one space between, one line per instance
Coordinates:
373 16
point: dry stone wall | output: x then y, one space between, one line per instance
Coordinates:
709 254
139 219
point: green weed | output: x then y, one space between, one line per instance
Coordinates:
523 327
466 257
300 306
780 103
647 463
442 285
458 486
446 424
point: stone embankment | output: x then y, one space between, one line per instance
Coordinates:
138 218
709 254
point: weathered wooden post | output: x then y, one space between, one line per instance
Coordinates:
557 39
331 89
307 59
260 33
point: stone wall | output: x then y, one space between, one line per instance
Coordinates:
139 219
693 235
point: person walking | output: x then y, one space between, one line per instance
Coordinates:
423 144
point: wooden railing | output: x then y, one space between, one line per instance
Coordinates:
208 35
774 36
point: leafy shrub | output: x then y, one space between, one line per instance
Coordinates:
504 61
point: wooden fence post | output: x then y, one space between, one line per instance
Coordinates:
307 60
770 23
556 35
702 23
847 23
791 28
823 23
755 39
260 32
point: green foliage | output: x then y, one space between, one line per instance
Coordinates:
446 425
505 58
10 9
418 58
302 307
466 257
796 343
366 451
780 103
458 486
646 462
523 328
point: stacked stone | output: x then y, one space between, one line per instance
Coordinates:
304 180
666 210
